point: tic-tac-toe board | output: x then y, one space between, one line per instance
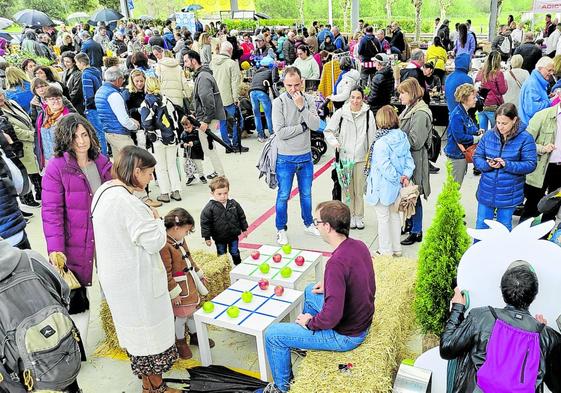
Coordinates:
249 268
265 307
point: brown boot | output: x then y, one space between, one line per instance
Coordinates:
194 340
155 384
183 349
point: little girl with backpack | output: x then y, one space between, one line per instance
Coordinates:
186 282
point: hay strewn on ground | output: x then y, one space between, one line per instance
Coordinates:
376 360
217 271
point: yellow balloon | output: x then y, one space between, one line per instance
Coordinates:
246 65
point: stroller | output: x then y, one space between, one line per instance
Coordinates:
319 146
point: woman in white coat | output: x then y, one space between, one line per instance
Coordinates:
351 131
129 236
348 79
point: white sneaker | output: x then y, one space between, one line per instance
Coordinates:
353 222
359 223
312 230
282 239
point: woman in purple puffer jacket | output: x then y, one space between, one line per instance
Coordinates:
71 178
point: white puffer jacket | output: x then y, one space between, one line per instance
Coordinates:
174 85
348 82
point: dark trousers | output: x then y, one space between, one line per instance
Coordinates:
533 195
365 75
222 248
24 243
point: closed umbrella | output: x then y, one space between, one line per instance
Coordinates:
106 15
33 18
5 22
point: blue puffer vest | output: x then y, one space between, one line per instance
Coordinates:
11 219
504 187
105 113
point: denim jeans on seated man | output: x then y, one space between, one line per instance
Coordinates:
230 114
281 337
288 166
259 98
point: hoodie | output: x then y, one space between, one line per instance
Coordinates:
391 159
457 78
173 83
228 77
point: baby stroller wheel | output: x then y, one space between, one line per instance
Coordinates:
320 145
316 155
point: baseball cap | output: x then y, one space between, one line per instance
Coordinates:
381 58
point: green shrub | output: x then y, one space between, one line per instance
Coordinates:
15 59
445 242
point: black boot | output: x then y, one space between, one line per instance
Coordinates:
237 259
28 200
433 169
407 228
412 239
36 181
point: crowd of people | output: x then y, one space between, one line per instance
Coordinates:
91 138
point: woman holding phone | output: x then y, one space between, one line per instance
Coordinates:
504 155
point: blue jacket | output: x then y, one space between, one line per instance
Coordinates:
504 187
21 95
533 96
91 82
94 52
461 129
469 49
391 159
106 115
457 78
324 33
11 219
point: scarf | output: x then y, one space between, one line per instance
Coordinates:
52 117
380 132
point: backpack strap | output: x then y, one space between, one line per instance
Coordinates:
493 312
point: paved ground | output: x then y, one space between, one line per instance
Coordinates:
238 350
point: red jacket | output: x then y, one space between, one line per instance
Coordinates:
497 87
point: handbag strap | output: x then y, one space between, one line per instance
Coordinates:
515 79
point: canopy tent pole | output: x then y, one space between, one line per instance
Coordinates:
355 11
493 17
330 11
234 5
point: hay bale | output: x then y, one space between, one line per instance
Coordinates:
375 362
217 271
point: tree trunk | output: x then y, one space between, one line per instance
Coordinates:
301 11
389 10
345 4
418 4
444 5
493 17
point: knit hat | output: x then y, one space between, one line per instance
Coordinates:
381 58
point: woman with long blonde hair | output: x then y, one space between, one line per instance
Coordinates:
493 79
205 48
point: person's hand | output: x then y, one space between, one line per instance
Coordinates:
318 288
500 161
494 164
540 318
298 100
404 181
190 144
185 145
208 242
155 212
136 123
177 300
203 127
481 131
303 319
204 281
549 147
458 297
57 258
8 138
35 101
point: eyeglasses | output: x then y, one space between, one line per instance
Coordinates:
54 99
316 222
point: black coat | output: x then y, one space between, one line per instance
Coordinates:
263 74
223 224
381 89
416 73
398 40
197 148
466 341
531 53
72 78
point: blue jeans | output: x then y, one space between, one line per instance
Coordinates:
503 215
260 97
486 119
303 168
417 218
281 337
91 115
230 113
222 248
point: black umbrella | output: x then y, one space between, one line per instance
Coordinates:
7 36
33 18
261 15
106 15
219 379
217 139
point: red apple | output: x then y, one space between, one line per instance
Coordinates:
255 255
263 284
279 290
299 260
277 258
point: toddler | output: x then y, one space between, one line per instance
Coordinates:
193 149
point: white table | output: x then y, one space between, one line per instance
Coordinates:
249 268
255 317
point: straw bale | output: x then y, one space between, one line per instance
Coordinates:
217 271
375 362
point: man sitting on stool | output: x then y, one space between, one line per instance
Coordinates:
338 311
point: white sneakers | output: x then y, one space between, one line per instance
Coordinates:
358 223
353 222
282 237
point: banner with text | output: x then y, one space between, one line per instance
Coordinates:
547 6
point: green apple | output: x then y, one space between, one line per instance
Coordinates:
247 296
233 312
286 272
264 267
208 307
287 248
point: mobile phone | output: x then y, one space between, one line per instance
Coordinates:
491 159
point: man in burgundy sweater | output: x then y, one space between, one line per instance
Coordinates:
337 312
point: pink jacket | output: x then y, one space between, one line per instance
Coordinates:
67 223
497 87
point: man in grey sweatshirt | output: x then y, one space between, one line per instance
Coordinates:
294 115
